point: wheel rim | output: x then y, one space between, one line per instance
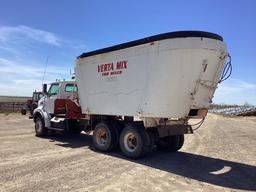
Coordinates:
102 136
130 142
39 125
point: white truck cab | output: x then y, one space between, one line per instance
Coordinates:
59 90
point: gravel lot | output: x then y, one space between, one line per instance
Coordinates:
220 156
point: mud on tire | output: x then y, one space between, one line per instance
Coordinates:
134 141
105 137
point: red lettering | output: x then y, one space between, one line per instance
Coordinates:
125 64
105 68
112 66
105 74
115 72
121 65
118 65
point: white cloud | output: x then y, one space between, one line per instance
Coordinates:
22 53
20 88
236 91
21 79
20 32
24 70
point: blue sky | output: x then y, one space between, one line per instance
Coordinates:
32 30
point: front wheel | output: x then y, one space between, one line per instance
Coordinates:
23 111
40 129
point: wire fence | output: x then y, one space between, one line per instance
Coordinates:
11 106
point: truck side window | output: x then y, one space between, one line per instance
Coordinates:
71 88
54 89
37 96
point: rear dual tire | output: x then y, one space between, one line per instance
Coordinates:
105 136
135 141
171 143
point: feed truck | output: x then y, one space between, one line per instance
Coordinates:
138 95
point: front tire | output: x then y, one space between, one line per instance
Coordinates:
23 111
40 129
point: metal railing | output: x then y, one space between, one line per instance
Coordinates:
11 106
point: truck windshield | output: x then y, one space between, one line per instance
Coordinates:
54 89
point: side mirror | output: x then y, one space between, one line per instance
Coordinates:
45 89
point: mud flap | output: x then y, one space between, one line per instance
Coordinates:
178 129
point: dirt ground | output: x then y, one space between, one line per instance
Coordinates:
220 156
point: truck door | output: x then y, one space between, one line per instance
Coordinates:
51 97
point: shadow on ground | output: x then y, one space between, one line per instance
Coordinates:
198 167
71 141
